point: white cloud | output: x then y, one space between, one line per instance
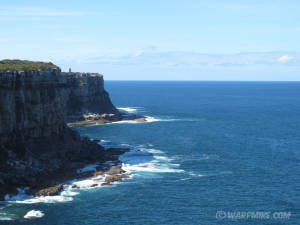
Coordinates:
285 58
195 59
33 13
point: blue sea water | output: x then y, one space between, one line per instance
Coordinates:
211 153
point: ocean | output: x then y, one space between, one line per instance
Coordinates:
211 153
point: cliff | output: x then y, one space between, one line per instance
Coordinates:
87 96
35 142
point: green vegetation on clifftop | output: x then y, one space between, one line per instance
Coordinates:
18 65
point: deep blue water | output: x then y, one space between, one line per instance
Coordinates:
230 146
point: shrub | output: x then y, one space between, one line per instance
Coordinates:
17 65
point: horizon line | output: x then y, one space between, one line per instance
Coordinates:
211 80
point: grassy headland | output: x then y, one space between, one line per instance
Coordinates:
19 65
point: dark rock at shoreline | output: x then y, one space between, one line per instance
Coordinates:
84 175
106 184
142 119
115 170
113 178
51 191
117 151
106 118
133 117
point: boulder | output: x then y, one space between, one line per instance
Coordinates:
113 178
50 191
106 184
115 170
98 173
74 186
143 119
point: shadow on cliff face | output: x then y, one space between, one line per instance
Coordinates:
52 159
36 146
86 95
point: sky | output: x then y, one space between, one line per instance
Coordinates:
157 39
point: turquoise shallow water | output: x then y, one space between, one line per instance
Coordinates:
211 146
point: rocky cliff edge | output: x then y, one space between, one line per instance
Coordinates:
35 142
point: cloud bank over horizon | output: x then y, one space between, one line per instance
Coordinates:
195 59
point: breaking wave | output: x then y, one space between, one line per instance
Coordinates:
5 217
34 214
128 109
140 160
148 160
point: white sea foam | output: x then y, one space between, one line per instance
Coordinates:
193 174
34 214
125 121
4 217
69 193
87 183
134 121
128 109
46 199
148 119
65 196
150 167
155 151
188 178
18 197
151 119
135 161
164 158
148 160
22 198
126 145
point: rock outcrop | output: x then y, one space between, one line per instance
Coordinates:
50 191
87 98
36 145
113 178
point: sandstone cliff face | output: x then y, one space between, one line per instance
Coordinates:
32 105
34 138
37 103
87 96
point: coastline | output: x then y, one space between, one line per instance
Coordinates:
53 181
38 149
106 161
54 184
